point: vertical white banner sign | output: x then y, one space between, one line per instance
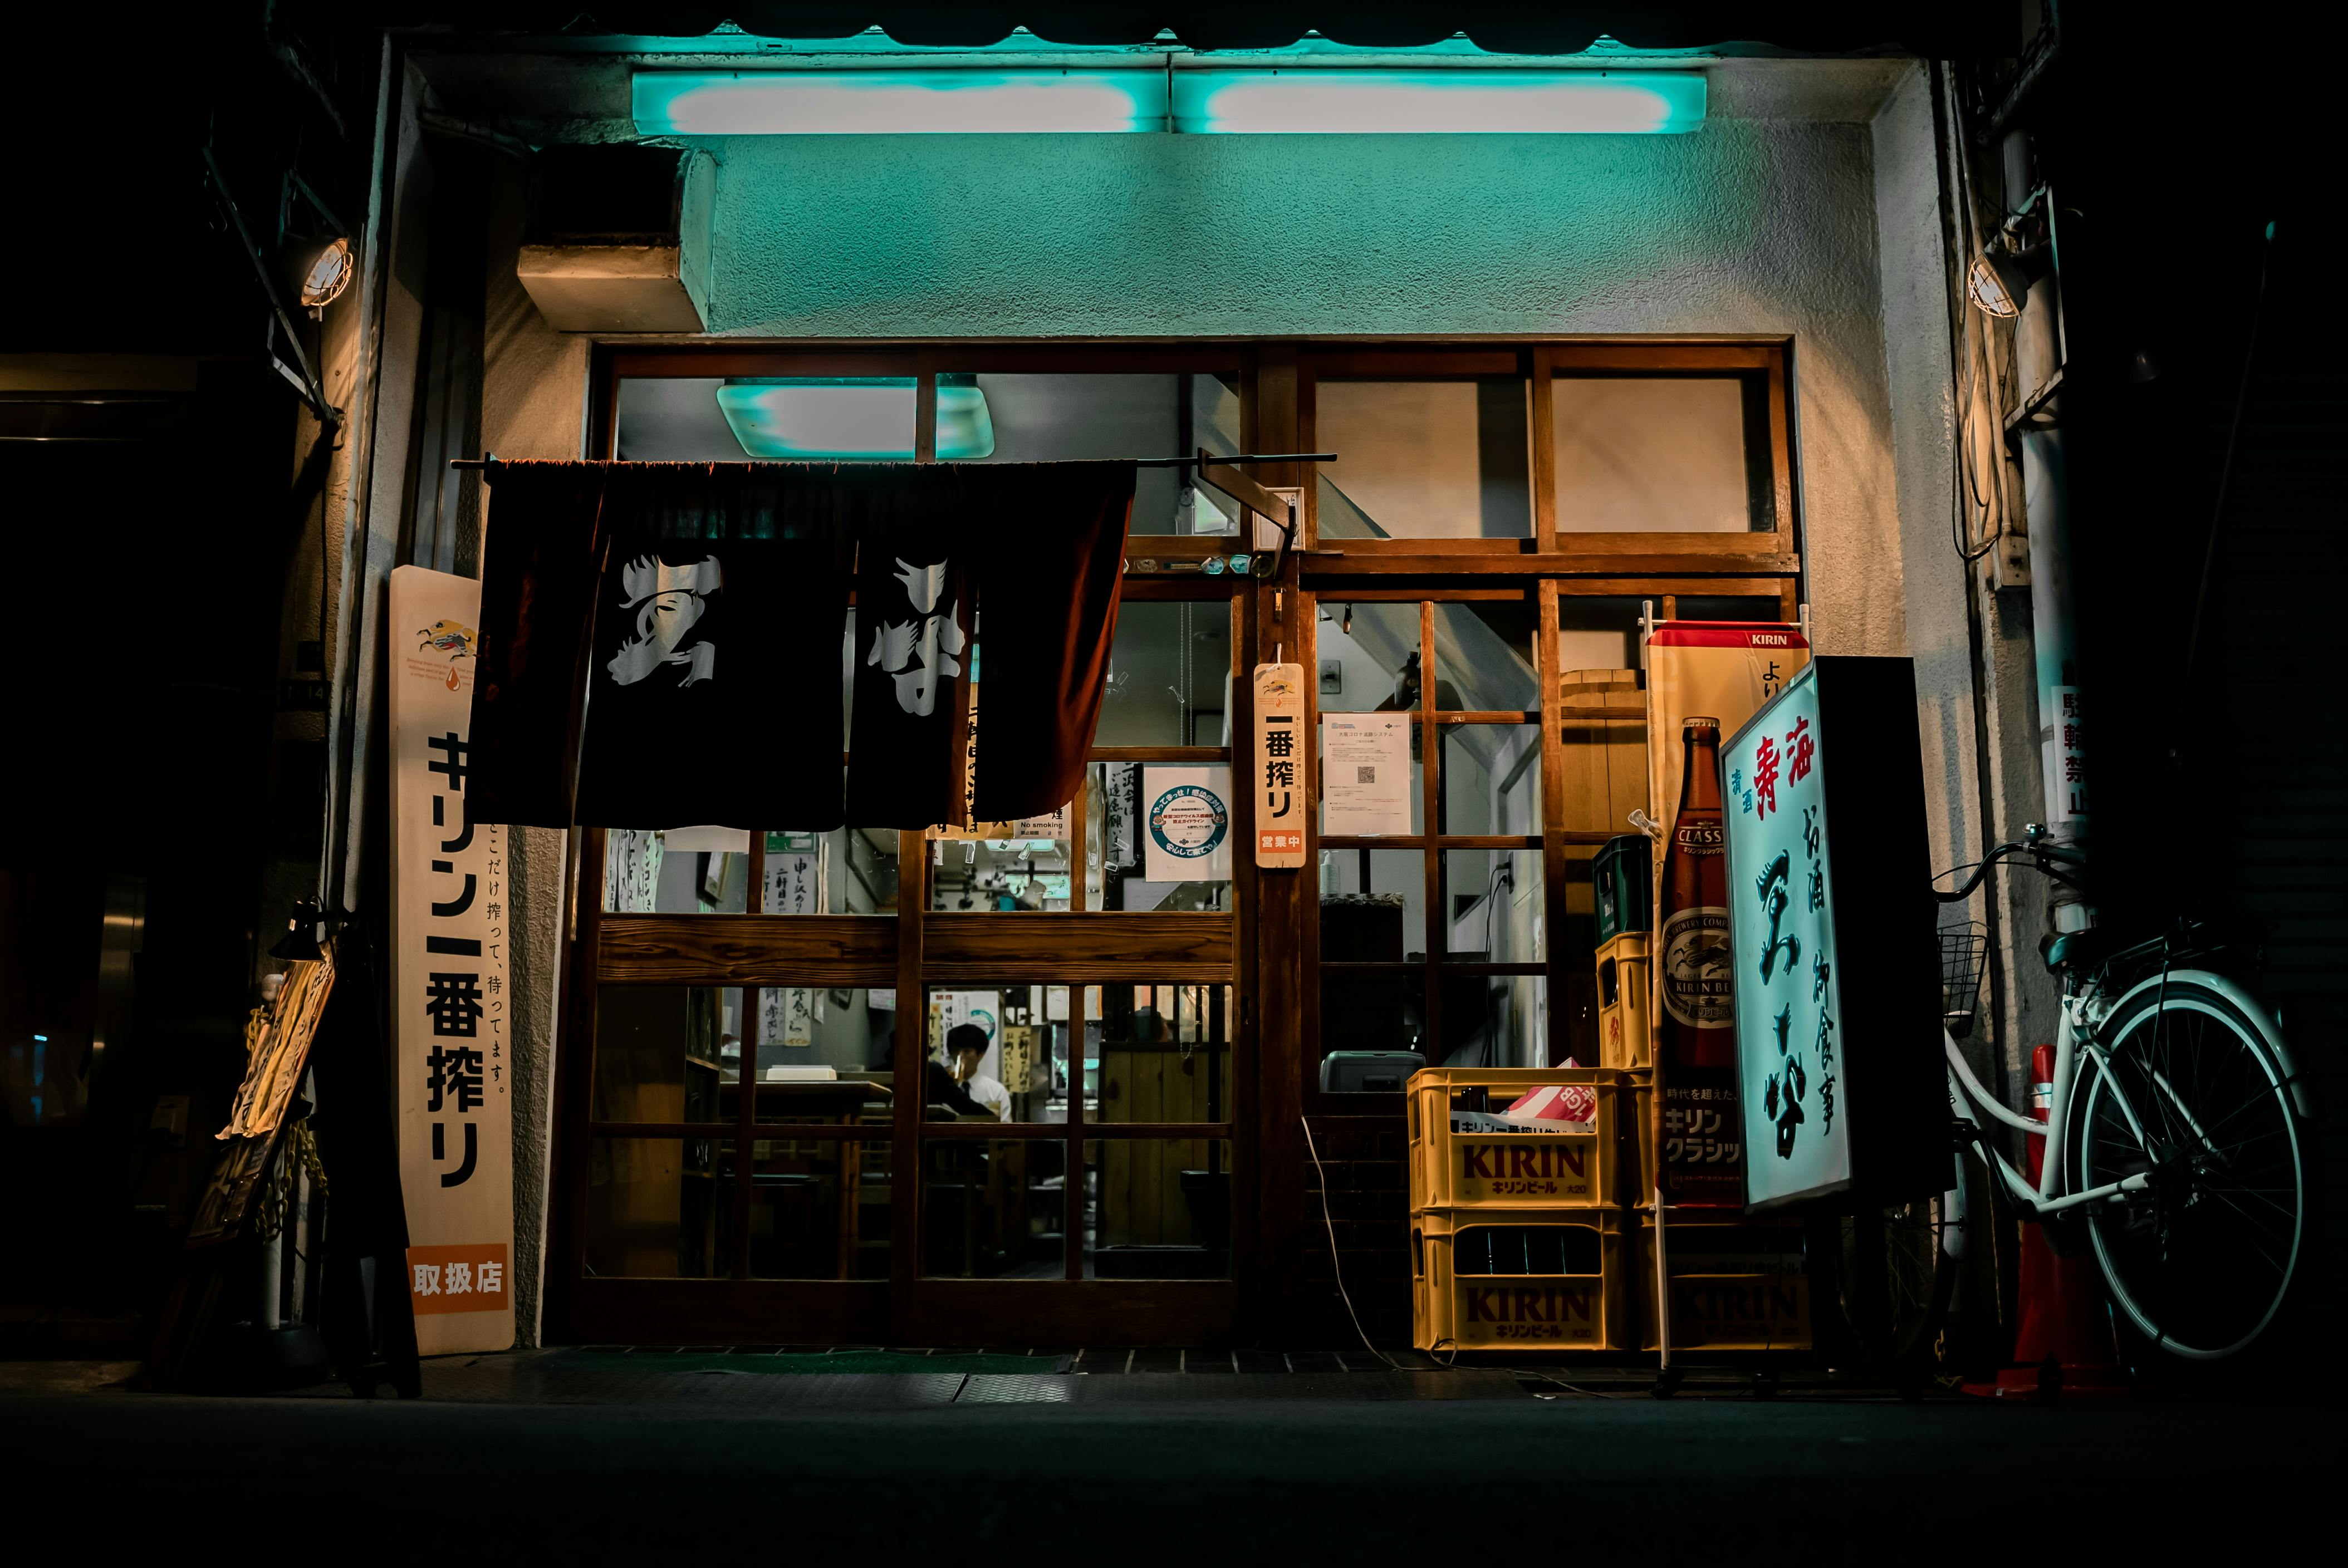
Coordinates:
1283 791
797 883
452 1012
2066 760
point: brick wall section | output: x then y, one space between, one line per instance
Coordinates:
1369 1205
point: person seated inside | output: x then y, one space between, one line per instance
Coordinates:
966 1045
942 1097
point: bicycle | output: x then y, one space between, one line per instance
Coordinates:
2179 1137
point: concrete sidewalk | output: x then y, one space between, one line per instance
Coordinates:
527 1454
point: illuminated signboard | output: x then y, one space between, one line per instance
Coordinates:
1831 921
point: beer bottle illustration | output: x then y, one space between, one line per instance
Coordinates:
1700 1149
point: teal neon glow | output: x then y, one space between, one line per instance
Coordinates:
1337 101
1217 101
896 102
851 419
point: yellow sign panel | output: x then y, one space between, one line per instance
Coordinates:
451 1005
1524 1169
1732 1311
1503 1314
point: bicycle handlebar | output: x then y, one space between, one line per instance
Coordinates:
2041 853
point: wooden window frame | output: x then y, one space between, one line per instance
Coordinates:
1266 948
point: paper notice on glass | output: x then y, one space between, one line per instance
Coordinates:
1365 773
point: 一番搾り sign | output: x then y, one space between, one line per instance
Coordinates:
452 1012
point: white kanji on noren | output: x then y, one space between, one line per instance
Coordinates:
427 1279
668 600
916 653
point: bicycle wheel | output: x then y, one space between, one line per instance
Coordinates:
1896 1305
2201 1260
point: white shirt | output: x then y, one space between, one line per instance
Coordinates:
989 1093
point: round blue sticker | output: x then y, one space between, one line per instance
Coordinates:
1188 821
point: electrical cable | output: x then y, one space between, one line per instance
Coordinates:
1973 408
1338 1268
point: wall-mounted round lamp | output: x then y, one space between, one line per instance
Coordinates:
1998 282
328 275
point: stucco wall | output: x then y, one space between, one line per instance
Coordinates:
534 404
1971 643
1745 226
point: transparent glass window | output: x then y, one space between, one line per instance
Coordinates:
994 1208
1597 635
1493 1021
1372 905
1369 657
1157 1208
1601 760
824 1053
1493 900
706 871
1749 608
1169 675
1007 1050
1491 779
860 868
1064 417
1126 865
740 419
660 1208
999 876
1424 459
1164 1053
1677 454
820 1209
666 1053
1369 1012
1484 656
1578 936
689 870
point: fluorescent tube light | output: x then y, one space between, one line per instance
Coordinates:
853 418
1330 101
1220 100
896 102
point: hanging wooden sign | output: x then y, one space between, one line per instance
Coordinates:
1283 767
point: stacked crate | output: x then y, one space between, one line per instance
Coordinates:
1516 1237
1738 1282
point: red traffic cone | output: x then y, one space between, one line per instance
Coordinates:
2064 1346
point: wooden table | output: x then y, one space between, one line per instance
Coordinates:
778 1106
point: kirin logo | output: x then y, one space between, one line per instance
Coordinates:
454 639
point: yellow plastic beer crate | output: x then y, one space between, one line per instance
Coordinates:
1626 1003
1532 1281
1557 1151
1733 1286
1636 1172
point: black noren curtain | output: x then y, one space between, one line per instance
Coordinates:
660 642
1007 569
